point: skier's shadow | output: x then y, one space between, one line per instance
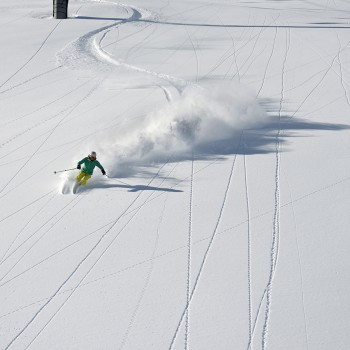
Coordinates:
137 188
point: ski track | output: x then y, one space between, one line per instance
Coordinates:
322 107
307 80
296 68
45 105
78 10
31 79
256 57
189 259
34 126
16 19
205 256
249 249
268 63
4 257
76 199
325 188
276 219
150 270
37 137
135 48
323 58
295 231
257 39
178 84
27 205
195 54
342 80
57 252
315 87
277 209
76 140
182 83
104 226
257 217
236 52
127 37
223 59
234 55
74 271
79 239
89 49
90 92
73 290
33 56
262 29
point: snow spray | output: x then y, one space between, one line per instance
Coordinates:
200 116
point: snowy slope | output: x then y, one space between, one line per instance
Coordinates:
224 129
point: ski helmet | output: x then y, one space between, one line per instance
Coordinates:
93 154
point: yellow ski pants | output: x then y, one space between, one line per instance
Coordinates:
83 177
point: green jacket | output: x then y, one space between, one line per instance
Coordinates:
89 165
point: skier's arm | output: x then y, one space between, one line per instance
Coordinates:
80 163
101 167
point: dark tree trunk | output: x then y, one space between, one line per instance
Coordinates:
60 9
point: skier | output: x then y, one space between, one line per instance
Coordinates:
89 164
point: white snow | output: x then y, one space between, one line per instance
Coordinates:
224 128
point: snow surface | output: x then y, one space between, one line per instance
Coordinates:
224 129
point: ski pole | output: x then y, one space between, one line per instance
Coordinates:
61 171
123 182
118 180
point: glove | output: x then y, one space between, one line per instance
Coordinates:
103 172
79 166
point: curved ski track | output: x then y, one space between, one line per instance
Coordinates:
88 50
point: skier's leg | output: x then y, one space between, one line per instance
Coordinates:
80 176
85 178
